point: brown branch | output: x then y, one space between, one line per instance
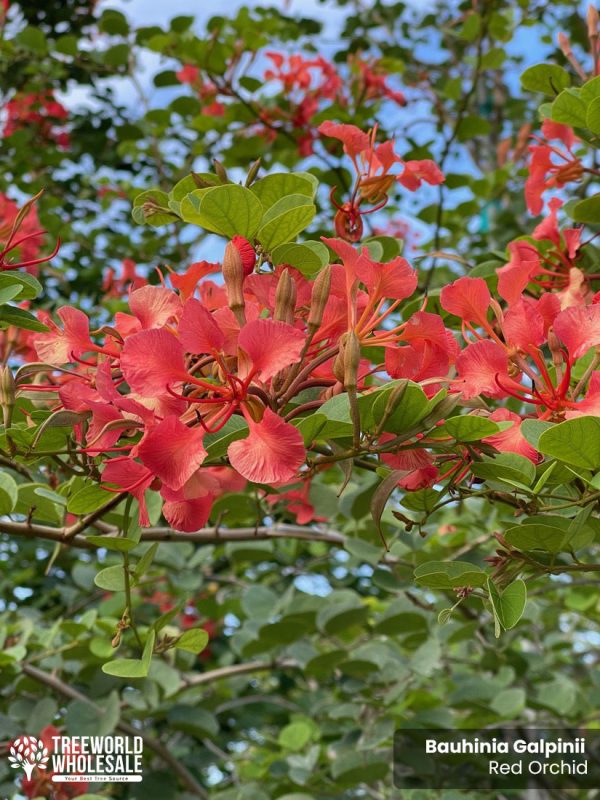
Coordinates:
153 744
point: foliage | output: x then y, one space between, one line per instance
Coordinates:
299 480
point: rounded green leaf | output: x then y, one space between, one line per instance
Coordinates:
575 442
285 220
8 493
449 574
547 78
228 210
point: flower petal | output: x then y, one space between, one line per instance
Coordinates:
151 360
172 451
270 345
272 453
198 331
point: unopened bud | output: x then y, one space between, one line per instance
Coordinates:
233 275
221 171
592 22
338 362
351 360
7 394
246 252
285 298
252 173
319 298
555 349
565 44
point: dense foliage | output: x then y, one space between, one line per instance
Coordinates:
300 388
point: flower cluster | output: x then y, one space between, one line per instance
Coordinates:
205 385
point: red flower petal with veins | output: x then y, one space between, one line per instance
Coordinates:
477 367
154 306
270 345
198 331
186 283
59 346
514 276
578 327
131 477
188 509
355 141
524 325
415 172
467 298
272 453
172 451
151 360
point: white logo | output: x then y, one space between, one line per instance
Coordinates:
27 753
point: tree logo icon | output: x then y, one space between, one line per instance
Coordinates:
28 752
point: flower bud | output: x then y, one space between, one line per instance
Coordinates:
233 275
319 298
564 44
252 173
7 394
592 22
351 360
285 298
221 171
338 362
246 252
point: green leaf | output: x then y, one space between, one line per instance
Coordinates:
569 109
468 428
41 509
551 533
509 703
307 257
116 543
546 78
32 38
285 220
590 90
9 315
152 208
88 499
111 578
410 408
587 210
133 667
193 640
509 604
389 247
508 467
532 429
575 442
8 293
228 210
449 575
593 115
29 287
8 493
88 719
195 721
146 560
295 736
59 419
216 444
272 188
